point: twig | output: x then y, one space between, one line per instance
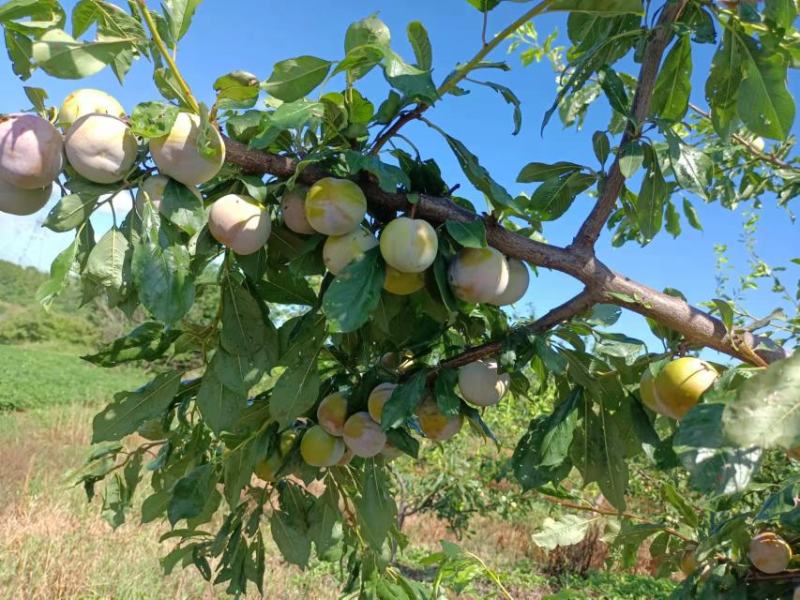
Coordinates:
741 140
610 513
560 314
459 74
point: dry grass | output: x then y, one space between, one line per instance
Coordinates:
55 546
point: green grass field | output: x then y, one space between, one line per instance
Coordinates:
36 377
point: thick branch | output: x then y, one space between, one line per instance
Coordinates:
612 186
698 327
560 314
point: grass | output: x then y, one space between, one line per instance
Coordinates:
55 546
35 377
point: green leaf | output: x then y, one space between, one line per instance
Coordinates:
722 85
510 97
599 453
70 212
38 97
673 225
541 452
650 206
37 9
725 309
715 466
59 274
604 8
390 177
106 262
191 493
289 526
130 409
679 503
291 115
353 296
604 315
781 13
414 83
421 45
404 400
236 90
691 215
375 507
614 89
766 410
183 208
322 518
179 15
484 5
601 146
566 531
244 326
240 372
295 78
220 405
360 61
59 55
478 176
442 285
673 86
238 465
444 389
164 280
153 119
20 52
283 286
554 197
631 157
403 441
765 105
536 171
470 234
389 108
295 392
370 30
692 168
148 341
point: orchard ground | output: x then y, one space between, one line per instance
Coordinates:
55 546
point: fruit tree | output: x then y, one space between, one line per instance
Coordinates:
360 304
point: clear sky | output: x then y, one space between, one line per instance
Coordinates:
253 35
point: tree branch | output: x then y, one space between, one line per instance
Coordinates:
698 327
662 34
560 314
751 148
610 513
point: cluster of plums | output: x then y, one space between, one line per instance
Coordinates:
336 208
99 145
337 436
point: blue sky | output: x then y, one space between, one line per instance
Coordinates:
253 35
